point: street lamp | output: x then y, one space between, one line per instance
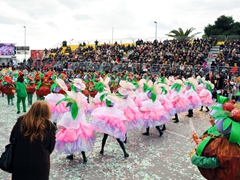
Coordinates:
112 34
24 41
155 30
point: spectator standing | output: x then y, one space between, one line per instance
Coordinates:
35 141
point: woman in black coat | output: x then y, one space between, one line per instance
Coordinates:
35 141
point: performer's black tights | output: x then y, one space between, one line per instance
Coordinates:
105 136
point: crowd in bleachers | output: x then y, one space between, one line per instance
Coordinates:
143 56
168 57
229 54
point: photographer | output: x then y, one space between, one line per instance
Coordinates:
227 88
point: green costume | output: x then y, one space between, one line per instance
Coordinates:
205 162
30 98
21 95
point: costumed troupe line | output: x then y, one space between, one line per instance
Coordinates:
119 103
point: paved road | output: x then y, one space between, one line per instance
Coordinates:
153 157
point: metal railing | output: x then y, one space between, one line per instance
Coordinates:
139 68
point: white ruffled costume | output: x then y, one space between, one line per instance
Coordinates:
75 135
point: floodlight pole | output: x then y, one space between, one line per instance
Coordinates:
112 34
155 29
25 41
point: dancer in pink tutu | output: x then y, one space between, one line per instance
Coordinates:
110 121
75 134
191 94
179 100
205 88
140 94
206 94
127 105
166 102
152 111
103 88
53 98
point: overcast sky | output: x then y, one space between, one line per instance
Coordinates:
49 22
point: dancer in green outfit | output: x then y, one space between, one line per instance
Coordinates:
21 93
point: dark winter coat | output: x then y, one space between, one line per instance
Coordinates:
32 160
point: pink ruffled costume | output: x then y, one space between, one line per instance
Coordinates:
140 97
194 99
74 135
206 97
167 104
180 102
153 113
109 120
96 102
131 112
60 109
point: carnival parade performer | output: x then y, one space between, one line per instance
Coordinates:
110 120
8 88
204 90
180 102
152 111
75 134
191 94
217 154
43 85
127 105
164 100
102 88
21 92
54 97
31 88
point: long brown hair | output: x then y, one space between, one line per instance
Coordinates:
36 120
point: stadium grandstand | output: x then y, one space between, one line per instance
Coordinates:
162 56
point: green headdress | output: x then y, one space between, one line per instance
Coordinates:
188 83
177 86
153 90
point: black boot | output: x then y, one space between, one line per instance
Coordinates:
201 108
103 143
207 109
163 127
176 118
159 130
125 139
84 157
123 148
70 157
190 113
147 132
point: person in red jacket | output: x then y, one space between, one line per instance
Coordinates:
8 88
31 88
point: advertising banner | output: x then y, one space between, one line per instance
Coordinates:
37 54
